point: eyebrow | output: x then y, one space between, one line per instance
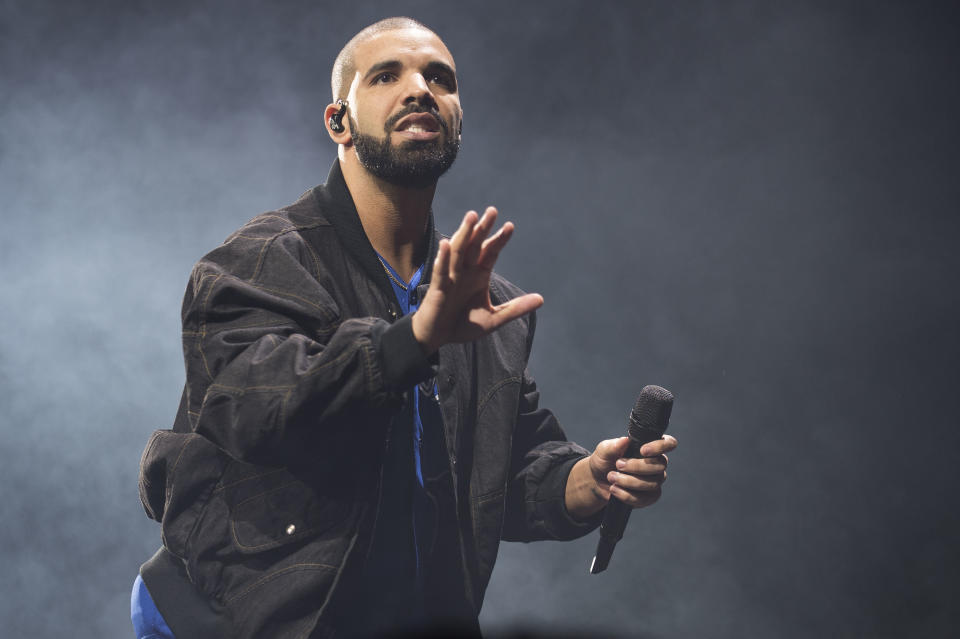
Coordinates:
381 66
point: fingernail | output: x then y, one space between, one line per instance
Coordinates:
621 463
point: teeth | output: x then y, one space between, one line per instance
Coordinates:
416 128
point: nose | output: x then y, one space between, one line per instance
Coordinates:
419 91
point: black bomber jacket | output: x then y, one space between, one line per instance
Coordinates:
297 363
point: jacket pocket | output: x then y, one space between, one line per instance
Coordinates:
281 515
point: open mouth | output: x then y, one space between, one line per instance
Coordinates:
419 123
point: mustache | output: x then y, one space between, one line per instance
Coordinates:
415 108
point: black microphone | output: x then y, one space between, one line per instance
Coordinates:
648 421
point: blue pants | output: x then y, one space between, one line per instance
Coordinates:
148 623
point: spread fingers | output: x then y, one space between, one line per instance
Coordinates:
491 248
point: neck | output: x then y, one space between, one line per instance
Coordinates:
393 217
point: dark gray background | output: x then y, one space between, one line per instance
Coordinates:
753 204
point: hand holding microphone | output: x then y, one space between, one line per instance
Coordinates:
640 465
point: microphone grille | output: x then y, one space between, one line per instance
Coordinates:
652 409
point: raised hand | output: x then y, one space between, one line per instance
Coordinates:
457 306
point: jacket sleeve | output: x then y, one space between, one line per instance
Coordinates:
269 359
540 464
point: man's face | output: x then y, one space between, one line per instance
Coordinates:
405 110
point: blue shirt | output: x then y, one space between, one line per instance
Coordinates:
148 623
409 303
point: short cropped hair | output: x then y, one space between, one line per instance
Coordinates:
344 67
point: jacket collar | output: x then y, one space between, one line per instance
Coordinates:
338 208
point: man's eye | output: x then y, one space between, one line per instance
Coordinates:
383 78
439 78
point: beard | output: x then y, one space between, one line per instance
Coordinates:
414 163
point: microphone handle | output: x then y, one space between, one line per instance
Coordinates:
617 513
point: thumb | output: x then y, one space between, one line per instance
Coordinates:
611 450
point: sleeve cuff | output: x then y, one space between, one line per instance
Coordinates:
401 358
560 522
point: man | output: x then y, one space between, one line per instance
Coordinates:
358 429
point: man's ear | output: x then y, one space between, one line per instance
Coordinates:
336 112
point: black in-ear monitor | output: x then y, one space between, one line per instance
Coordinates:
336 120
